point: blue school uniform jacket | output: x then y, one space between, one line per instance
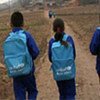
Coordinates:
32 47
69 39
95 48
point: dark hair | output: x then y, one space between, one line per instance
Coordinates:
58 28
17 19
58 36
58 23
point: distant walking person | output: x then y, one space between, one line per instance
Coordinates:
54 14
95 49
62 56
50 14
20 51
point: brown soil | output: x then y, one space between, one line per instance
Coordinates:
86 78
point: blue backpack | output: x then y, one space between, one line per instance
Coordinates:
17 58
63 64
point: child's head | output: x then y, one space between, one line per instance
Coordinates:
17 19
58 25
58 28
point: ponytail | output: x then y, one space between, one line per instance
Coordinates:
58 28
59 37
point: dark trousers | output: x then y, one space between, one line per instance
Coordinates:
67 89
23 86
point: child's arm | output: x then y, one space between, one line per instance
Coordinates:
32 46
95 43
49 51
70 40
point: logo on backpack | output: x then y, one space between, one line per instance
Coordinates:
63 64
17 58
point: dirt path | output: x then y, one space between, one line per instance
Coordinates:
86 78
46 85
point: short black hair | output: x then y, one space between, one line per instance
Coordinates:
17 19
58 23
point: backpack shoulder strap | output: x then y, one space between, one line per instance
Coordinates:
98 28
17 34
21 31
65 37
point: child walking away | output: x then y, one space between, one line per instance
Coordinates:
54 14
50 14
20 51
95 49
62 56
